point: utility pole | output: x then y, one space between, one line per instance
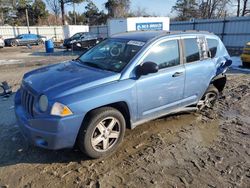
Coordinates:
27 18
2 18
74 10
63 11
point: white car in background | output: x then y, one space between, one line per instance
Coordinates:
1 41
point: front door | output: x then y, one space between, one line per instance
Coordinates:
160 92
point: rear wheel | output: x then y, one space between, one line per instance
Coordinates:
102 132
13 43
209 98
1 91
244 64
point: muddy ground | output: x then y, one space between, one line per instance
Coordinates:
185 150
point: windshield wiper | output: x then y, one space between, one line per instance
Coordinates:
91 64
77 59
94 65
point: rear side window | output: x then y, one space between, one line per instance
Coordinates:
191 50
212 46
165 54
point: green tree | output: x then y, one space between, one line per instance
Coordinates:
117 8
186 9
6 10
39 11
21 7
93 15
36 11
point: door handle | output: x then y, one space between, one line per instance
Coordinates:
176 74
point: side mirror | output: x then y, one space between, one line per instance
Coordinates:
147 68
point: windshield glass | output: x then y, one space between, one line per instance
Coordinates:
19 36
112 54
77 35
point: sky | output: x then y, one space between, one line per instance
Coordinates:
156 7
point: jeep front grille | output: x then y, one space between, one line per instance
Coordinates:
27 101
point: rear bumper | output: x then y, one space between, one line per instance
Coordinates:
50 133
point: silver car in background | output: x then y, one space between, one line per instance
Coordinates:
1 41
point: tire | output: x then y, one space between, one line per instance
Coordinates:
13 43
95 139
1 90
40 42
208 99
244 64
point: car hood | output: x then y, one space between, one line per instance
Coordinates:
55 79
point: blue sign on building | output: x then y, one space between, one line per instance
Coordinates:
149 26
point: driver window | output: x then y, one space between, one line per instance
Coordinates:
165 54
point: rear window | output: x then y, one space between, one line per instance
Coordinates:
212 46
191 50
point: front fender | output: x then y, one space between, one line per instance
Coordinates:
119 91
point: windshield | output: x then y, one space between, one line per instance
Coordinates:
77 35
112 54
19 36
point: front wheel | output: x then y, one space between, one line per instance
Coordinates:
209 98
40 42
102 132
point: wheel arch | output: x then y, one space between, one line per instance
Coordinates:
219 82
121 106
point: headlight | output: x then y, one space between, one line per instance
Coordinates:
59 109
43 103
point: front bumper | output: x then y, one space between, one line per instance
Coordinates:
51 132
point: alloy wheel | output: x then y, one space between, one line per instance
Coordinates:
207 101
13 43
105 134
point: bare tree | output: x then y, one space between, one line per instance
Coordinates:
139 11
243 7
213 8
55 7
238 8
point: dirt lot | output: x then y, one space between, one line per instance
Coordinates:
186 150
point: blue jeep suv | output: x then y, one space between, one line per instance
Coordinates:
124 81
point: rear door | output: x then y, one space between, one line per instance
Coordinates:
200 68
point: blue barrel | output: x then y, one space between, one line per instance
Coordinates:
49 46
